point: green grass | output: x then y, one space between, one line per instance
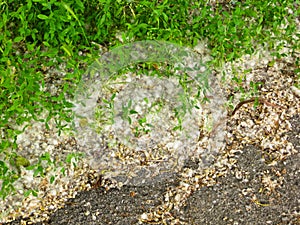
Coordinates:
38 31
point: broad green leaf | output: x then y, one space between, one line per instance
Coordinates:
42 17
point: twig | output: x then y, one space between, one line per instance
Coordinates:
260 100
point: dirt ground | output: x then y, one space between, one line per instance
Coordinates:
229 201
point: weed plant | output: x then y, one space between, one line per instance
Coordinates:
39 35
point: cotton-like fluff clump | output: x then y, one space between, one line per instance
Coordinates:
165 129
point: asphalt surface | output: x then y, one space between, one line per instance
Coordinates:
229 201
